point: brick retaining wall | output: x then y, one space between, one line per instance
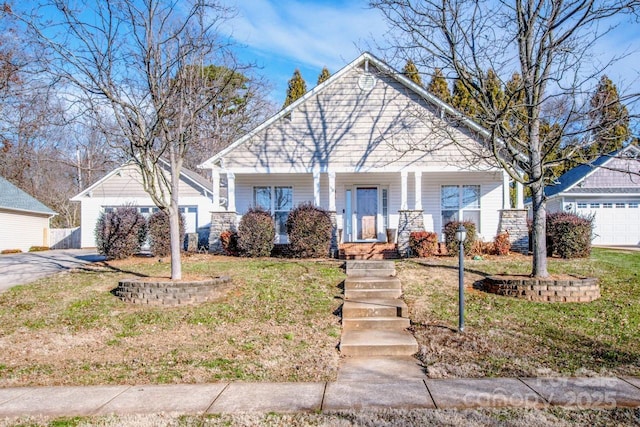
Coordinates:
546 290
166 292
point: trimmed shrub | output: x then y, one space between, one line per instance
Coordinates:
423 243
256 233
120 233
159 234
38 248
502 244
11 251
450 236
569 235
229 242
309 228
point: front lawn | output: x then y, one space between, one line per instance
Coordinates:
511 337
277 324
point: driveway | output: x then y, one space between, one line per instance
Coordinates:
17 269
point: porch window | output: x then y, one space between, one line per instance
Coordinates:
278 201
460 201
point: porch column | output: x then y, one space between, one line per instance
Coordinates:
332 191
215 176
316 187
403 190
519 196
231 190
506 194
418 190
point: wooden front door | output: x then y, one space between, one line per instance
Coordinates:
367 212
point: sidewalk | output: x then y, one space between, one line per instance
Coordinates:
237 397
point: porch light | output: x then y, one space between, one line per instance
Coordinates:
461 235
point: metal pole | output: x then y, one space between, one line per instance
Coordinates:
461 287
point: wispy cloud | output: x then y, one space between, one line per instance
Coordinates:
315 33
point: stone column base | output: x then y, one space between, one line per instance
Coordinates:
410 220
514 222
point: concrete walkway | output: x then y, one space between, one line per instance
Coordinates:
197 399
18 269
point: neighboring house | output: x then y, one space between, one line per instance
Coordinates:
371 147
609 189
123 187
24 221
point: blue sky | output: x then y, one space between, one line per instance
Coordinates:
280 36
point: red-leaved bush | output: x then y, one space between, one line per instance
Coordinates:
502 244
229 242
423 243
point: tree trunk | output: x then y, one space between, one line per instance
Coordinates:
174 227
539 232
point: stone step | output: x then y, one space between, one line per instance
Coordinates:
371 268
379 323
363 294
372 283
377 343
380 307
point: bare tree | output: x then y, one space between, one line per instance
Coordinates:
138 62
547 42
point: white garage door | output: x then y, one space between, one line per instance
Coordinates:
615 223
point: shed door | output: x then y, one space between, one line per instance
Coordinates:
367 212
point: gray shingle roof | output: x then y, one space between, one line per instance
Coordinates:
11 197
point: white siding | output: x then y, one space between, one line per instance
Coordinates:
22 230
346 129
92 207
490 203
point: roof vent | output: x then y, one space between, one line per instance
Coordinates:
366 82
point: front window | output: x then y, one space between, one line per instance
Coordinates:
460 202
278 201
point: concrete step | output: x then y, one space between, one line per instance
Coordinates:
365 282
380 369
377 343
379 323
371 268
372 293
380 307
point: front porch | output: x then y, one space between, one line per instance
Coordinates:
368 250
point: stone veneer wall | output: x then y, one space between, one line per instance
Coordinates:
221 221
410 220
166 292
514 222
545 290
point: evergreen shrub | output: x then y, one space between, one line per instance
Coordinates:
450 229
569 235
309 228
256 233
159 234
120 233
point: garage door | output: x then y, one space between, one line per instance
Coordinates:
615 223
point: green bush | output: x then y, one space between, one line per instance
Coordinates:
569 235
159 234
309 228
423 243
450 237
256 233
38 248
120 233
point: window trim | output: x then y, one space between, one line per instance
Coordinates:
461 208
281 235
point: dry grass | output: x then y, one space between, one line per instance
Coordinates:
382 418
276 325
511 337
